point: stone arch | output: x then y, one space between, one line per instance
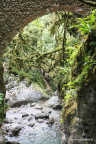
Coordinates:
15 14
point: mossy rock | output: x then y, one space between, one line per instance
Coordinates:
69 111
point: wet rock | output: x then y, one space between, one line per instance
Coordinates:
49 111
16 130
57 107
51 121
54 102
38 107
32 104
31 124
11 85
30 118
40 120
12 142
25 115
42 116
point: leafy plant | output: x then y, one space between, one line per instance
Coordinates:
1 98
87 24
2 107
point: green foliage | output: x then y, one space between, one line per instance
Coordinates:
1 107
1 98
88 23
85 59
24 56
80 59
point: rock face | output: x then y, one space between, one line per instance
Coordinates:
84 128
87 94
87 108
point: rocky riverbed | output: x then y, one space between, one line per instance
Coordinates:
32 118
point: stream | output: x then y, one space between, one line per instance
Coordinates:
32 117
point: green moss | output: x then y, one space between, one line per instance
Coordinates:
69 111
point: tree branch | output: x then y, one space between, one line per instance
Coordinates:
48 53
88 2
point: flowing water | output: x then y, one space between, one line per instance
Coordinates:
22 126
33 123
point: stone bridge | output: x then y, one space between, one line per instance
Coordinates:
15 14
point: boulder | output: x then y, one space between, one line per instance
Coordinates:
31 124
51 121
42 116
21 95
38 107
25 115
15 130
54 102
